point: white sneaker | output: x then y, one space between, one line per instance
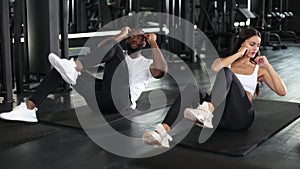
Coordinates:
158 137
65 67
201 115
20 113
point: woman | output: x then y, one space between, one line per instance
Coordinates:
242 70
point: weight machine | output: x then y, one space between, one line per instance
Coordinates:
266 27
185 10
5 58
216 20
279 19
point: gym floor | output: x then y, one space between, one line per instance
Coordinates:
72 148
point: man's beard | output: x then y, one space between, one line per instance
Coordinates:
131 50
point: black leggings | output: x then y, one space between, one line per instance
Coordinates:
87 85
238 112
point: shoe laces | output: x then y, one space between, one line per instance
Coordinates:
169 137
21 106
205 109
162 132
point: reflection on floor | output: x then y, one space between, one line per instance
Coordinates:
72 148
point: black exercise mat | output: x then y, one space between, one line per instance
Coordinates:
14 133
143 102
270 117
63 117
68 117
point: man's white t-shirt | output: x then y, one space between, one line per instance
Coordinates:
139 76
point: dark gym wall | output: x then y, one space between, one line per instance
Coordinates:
43 31
293 23
293 6
155 5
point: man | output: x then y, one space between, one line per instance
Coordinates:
132 69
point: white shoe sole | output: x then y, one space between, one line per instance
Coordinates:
189 115
17 119
55 62
149 139
199 122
